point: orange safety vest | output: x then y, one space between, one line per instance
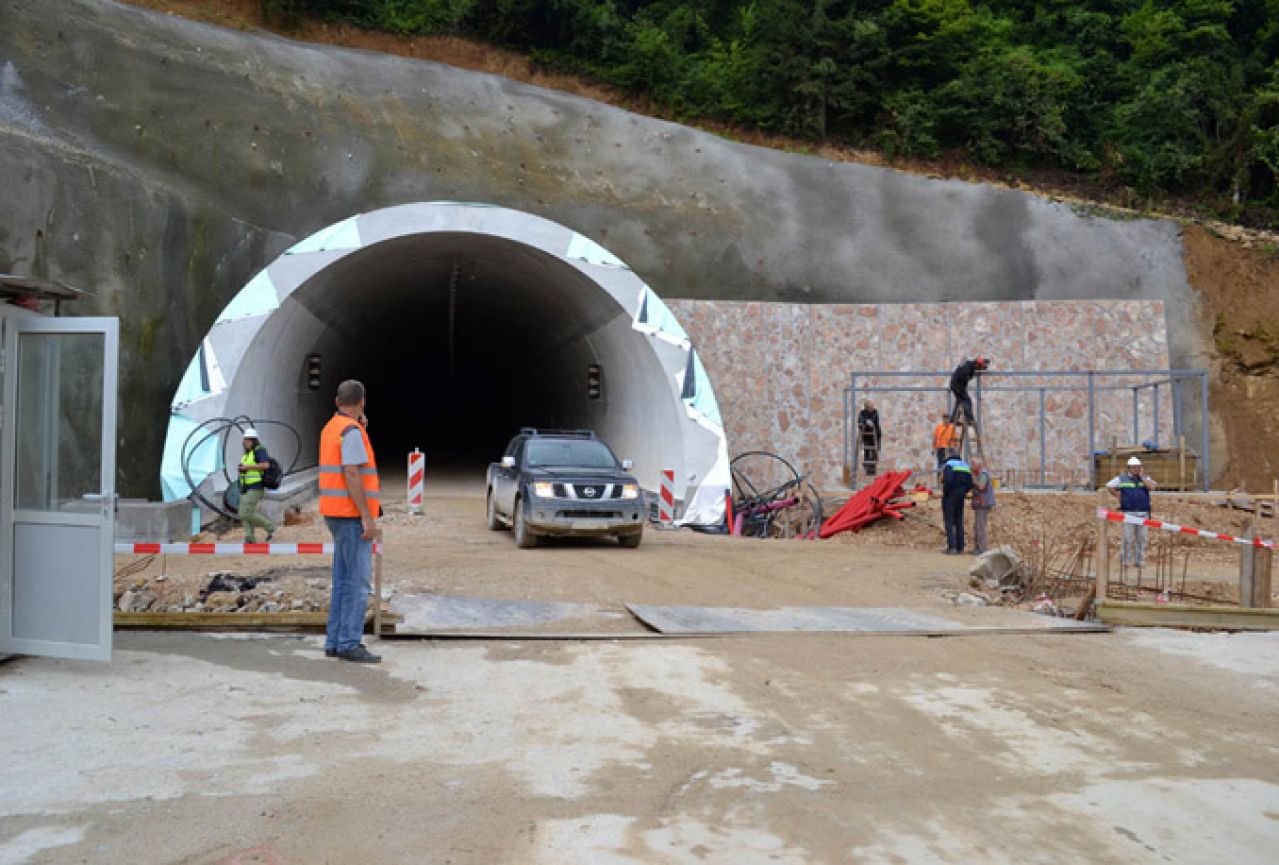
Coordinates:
335 500
945 435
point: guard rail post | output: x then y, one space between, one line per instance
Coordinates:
1103 548
377 584
1254 569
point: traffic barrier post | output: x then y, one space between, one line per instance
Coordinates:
666 499
416 481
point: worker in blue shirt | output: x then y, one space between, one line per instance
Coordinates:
956 482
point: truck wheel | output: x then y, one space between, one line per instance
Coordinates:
490 508
524 537
630 541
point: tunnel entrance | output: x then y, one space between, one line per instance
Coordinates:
465 323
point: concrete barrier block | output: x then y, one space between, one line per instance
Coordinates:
137 520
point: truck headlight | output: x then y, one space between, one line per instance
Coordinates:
630 491
544 490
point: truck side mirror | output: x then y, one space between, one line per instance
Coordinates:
627 465
508 462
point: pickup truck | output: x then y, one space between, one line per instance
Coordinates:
563 483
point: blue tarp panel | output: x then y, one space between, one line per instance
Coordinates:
657 315
204 461
256 298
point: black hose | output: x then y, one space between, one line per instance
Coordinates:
221 428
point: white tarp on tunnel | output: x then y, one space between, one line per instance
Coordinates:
691 435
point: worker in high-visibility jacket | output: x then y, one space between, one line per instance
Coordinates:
957 480
945 439
350 501
253 466
1132 488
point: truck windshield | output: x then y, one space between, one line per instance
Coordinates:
579 454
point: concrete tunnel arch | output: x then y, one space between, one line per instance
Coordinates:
466 321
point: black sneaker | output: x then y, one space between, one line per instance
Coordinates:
333 653
360 655
269 535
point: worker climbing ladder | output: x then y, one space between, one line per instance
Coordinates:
963 414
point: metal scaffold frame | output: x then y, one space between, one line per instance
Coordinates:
1093 381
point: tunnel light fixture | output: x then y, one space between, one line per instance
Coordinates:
312 372
594 381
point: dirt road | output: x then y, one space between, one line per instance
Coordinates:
1125 747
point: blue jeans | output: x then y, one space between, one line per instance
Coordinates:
352 567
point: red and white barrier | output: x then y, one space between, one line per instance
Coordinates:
666 497
143 549
416 475
1132 519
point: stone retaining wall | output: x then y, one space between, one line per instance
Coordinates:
780 372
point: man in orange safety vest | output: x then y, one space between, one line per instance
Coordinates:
945 438
350 501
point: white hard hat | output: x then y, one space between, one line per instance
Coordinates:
251 433
1133 461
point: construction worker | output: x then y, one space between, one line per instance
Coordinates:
868 425
983 504
1132 487
945 439
959 379
350 500
253 487
957 480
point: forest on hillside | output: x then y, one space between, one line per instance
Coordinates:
1174 97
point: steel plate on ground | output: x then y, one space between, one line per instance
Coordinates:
426 612
876 620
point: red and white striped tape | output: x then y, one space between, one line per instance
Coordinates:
1132 519
417 472
666 500
230 549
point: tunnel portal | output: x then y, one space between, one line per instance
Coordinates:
465 322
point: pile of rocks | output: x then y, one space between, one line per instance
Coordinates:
225 592
998 577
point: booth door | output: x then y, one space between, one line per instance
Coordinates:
57 500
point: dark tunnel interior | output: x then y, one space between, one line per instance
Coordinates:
460 339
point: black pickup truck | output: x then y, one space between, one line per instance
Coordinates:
563 483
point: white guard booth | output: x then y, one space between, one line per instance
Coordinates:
57 475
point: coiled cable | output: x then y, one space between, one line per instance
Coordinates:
220 428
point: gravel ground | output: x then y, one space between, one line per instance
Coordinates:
1129 747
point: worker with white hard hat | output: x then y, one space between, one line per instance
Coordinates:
1132 488
253 466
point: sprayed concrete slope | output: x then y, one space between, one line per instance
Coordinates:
160 163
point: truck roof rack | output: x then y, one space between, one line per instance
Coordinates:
570 433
